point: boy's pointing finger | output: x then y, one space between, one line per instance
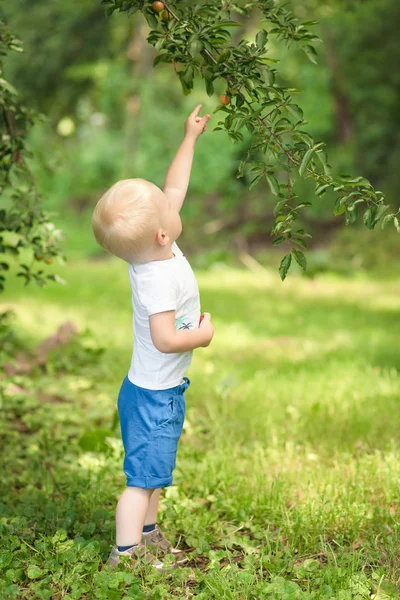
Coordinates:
196 110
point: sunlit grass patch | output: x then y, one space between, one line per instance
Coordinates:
287 474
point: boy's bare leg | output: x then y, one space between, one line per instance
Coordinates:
155 538
151 516
131 512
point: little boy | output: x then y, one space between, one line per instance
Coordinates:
139 223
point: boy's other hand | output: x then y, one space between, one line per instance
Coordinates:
195 125
207 328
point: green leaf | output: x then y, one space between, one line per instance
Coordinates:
273 184
228 24
240 171
161 58
304 137
185 87
340 207
59 536
285 266
158 45
151 19
311 53
57 279
295 111
303 205
323 159
228 121
209 87
249 84
300 242
132 10
305 161
237 9
187 76
223 56
369 217
255 181
34 572
300 258
6 85
396 224
268 76
11 238
382 208
238 124
279 207
279 240
239 100
351 214
321 189
261 38
25 275
386 220
195 47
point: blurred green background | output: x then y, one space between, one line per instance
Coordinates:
111 116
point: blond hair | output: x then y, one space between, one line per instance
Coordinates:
124 219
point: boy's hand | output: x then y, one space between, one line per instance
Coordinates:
207 328
195 125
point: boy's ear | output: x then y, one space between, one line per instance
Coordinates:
162 237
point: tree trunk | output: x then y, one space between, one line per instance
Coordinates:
343 116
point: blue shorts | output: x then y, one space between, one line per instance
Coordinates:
151 425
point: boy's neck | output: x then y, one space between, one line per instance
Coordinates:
164 253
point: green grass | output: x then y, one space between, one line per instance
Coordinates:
287 479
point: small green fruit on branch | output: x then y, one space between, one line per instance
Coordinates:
166 15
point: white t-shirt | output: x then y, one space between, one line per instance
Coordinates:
158 286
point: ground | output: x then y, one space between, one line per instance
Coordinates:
287 479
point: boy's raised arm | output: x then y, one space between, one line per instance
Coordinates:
178 175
